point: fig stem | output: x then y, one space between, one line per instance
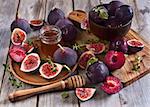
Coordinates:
63 50
17 10
65 66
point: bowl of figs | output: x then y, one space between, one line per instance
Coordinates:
110 21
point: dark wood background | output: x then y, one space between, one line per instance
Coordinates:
135 95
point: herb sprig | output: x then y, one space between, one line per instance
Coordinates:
51 63
78 47
64 95
30 42
136 63
14 82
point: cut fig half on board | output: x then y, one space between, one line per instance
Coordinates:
84 59
50 70
96 48
30 63
134 45
28 47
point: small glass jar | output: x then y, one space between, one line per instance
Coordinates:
50 36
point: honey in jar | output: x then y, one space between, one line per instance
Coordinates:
50 37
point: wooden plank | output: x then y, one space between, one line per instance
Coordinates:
27 10
7 14
144 25
142 15
65 6
85 5
101 99
55 99
32 9
139 91
136 94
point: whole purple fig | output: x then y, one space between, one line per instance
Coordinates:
119 45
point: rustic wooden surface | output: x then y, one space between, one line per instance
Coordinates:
135 95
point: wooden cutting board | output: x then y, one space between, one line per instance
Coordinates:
125 74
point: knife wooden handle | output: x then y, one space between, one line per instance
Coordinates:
70 83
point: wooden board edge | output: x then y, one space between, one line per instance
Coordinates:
33 83
137 78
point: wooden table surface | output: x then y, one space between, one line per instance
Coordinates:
135 95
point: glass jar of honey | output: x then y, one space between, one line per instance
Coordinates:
50 36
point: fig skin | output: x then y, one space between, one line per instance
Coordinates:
97 72
54 15
68 56
119 45
22 24
133 50
69 31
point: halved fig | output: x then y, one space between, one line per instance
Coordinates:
18 36
114 60
134 46
84 59
17 53
111 85
85 93
49 71
97 48
36 24
30 63
28 47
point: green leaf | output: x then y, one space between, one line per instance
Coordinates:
92 60
30 42
54 70
65 95
103 14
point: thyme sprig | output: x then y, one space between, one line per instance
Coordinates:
136 63
14 82
64 95
78 46
51 63
30 42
